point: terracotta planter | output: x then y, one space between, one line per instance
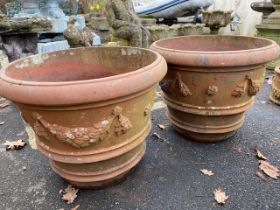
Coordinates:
89 107
211 81
275 97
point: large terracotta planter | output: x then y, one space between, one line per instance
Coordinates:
89 107
275 97
211 81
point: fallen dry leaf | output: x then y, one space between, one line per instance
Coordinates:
260 155
4 105
207 172
269 80
69 194
14 145
2 123
220 196
268 169
157 136
76 207
261 175
162 127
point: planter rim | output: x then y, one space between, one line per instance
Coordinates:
72 92
223 58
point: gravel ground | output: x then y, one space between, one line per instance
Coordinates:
169 175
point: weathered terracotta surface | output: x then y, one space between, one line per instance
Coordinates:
211 81
275 97
89 107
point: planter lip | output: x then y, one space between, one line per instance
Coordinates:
72 92
223 58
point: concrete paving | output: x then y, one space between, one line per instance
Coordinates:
168 177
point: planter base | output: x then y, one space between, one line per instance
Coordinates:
204 137
214 134
102 184
100 175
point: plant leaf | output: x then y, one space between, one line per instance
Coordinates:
268 169
69 194
220 196
207 172
14 145
260 155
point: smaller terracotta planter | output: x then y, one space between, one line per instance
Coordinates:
212 81
89 107
275 97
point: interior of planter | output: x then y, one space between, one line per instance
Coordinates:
80 64
213 43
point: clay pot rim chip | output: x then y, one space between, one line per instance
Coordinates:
6 78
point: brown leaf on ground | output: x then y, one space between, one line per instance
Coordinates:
220 196
261 175
162 127
260 155
69 194
156 135
76 207
207 172
14 145
4 105
268 169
